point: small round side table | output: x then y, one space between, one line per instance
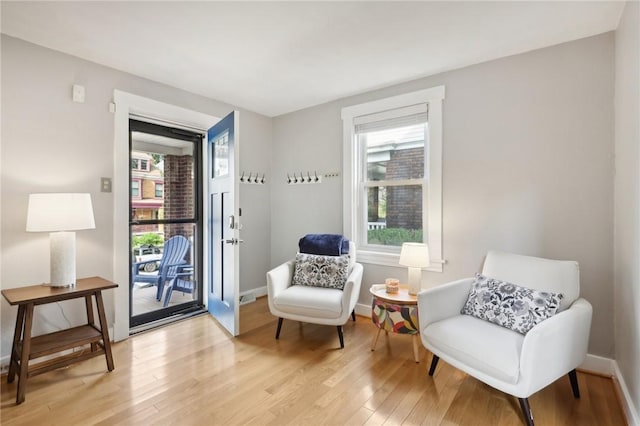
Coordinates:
395 312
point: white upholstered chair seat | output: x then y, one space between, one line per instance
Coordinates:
488 348
310 301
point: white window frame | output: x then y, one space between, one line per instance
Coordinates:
432 189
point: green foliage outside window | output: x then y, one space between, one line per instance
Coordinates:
394 236
148 239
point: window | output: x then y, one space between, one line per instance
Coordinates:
135 188
139 164
159 190
393 175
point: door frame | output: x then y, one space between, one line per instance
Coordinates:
126 105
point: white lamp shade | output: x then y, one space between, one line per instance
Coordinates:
59 212
415 255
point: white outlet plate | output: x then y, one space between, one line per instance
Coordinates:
78 93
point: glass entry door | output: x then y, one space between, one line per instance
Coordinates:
165 222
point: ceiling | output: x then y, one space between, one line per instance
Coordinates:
278 57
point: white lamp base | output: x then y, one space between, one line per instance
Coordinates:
415 280
63 259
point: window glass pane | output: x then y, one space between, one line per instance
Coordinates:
148 243
221 155
147 169
166 189
393 154
179 187
394 215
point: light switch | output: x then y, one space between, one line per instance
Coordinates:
105 184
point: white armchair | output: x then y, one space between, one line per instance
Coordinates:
316 305
511 362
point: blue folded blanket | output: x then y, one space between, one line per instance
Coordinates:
324 244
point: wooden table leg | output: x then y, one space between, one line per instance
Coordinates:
24 356
375 340
416 355
105 331
90 319
17 336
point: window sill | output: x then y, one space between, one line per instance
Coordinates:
392 259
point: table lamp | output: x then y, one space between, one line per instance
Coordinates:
416 257
60 215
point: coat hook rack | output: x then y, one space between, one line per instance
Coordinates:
306 177
253 178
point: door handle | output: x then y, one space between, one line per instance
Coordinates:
233 241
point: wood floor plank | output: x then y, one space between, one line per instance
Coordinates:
193 372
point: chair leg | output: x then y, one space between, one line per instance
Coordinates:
167 297
279 327
434 362
159 289
573 378
341 337
526 411
353 314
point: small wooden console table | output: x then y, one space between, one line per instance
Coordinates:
26 348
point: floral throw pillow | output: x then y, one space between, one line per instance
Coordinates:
321 271
509 305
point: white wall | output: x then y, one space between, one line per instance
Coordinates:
627 201
255 156
528 168
307 140
50 143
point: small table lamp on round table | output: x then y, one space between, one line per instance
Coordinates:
416 257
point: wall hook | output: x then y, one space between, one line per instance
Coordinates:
302 178
255 178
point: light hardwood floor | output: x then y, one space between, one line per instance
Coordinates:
193 373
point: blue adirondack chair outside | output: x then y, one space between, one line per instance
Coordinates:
183 281
173 255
